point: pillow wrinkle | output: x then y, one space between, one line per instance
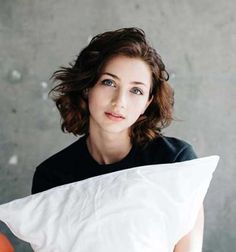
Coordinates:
146 208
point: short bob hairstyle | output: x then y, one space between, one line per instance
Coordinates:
69 94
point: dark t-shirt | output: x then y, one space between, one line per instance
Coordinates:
75 163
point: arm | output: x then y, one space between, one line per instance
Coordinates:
192 242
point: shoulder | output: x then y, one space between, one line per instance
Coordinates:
58 168
63 156
171 149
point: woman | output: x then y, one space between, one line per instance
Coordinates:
116 96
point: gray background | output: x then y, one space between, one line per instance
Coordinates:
197 41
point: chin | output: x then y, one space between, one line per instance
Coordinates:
115 130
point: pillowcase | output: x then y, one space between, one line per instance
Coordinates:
146 208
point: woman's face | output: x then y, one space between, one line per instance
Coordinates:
120 95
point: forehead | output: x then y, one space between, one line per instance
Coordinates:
134 69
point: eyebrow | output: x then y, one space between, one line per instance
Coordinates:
116 77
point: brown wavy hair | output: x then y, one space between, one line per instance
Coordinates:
85 71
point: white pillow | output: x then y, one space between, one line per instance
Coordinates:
146 208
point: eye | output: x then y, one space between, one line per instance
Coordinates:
108 82
137 91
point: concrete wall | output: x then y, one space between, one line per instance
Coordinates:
197 41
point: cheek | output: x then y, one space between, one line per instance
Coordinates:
136 110
95 100
137 105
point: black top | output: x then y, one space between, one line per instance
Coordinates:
75 163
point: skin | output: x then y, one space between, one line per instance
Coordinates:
192 242
119 90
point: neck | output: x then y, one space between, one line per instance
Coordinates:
108 148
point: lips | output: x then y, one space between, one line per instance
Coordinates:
116 115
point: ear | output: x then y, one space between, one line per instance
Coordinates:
148 103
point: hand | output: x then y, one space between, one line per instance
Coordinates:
192 242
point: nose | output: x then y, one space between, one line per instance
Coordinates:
119 99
